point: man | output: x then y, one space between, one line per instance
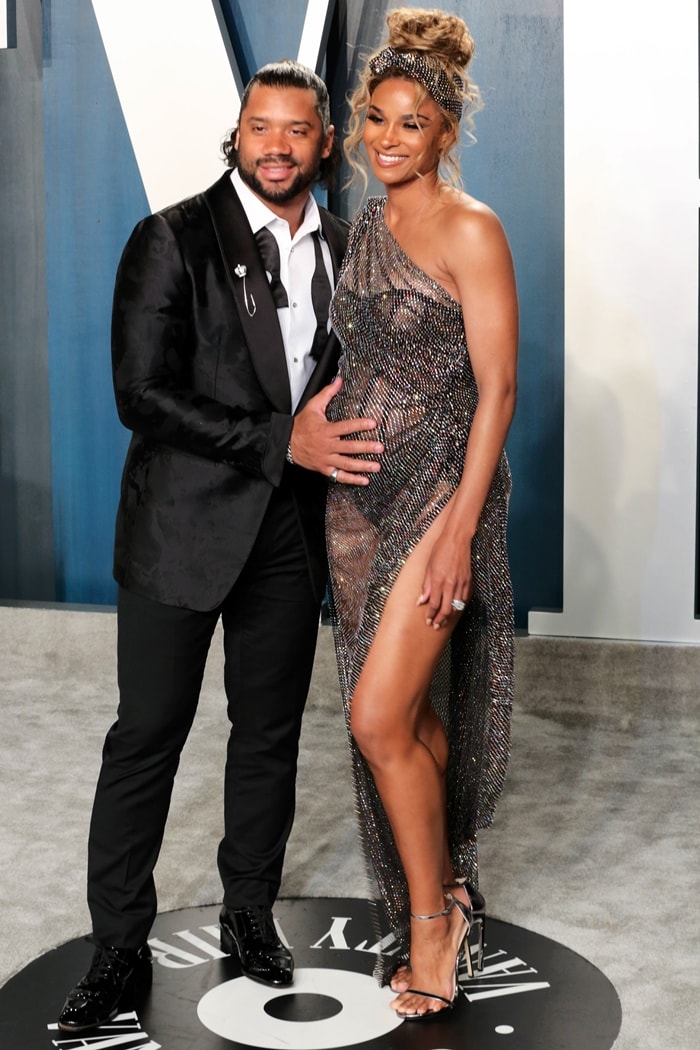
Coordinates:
221 370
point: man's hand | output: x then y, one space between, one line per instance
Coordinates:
318 444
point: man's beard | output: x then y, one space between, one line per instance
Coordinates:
303 180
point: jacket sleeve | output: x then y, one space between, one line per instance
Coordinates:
153 342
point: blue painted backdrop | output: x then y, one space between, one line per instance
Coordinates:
94 196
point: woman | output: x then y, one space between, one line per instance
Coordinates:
421 593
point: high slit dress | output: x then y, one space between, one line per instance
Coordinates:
406 364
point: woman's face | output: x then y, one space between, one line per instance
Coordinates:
402 141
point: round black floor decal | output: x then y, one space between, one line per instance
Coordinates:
533 994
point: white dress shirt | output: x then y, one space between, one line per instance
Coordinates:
297 263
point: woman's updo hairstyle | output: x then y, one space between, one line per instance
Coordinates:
432 49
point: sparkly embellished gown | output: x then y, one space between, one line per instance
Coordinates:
405 363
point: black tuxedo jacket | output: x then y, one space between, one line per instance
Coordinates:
204 388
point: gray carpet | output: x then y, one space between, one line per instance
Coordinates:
594 843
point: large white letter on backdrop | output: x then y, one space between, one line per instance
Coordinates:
176 88
631 132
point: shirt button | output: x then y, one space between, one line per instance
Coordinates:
294 305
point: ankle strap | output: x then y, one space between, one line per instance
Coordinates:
436 914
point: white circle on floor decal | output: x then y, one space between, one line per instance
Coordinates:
504 1029
235 1010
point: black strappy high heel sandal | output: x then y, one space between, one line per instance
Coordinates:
466 913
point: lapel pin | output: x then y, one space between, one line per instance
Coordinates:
240 271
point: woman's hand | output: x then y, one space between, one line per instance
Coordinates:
448 578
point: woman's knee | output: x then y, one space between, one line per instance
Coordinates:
379 737
365 726
362 728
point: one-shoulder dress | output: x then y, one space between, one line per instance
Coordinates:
406 364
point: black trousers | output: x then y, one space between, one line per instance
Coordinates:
270 622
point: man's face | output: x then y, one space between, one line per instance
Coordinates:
280 143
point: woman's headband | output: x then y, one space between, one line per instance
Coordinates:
446 91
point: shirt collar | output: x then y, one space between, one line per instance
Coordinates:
258 214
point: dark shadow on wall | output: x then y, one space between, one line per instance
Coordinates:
26 526
26 542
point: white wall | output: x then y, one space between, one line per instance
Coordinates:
632 196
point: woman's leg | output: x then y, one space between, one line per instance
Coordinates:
430 732
401 977
404 744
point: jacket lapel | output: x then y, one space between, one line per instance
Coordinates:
251 291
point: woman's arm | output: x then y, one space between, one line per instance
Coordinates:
478 259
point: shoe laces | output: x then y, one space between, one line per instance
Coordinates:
263 925
103 965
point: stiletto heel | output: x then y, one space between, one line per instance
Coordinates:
464 948
480 923
466 913
478 907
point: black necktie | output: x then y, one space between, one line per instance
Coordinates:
270 255
320 285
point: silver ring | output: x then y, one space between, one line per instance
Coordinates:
458 604
334 474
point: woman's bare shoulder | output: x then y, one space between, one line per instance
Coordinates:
468 217
473 244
